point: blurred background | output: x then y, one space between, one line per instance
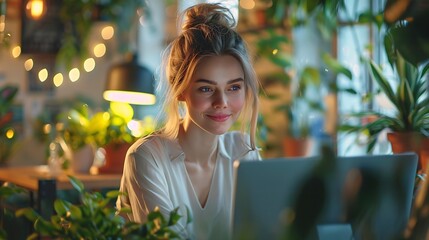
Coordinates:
58 58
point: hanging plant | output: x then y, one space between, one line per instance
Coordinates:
80 16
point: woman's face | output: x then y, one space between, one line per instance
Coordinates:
216 94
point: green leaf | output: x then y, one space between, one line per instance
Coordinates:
189 216
28 213
384 84
61 207
348 90
113 194
174 217
44 227
335 66
77 184
75 212
310 75
424 71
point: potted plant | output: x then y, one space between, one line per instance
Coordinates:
119 133
95 217
409 124
406 88
80 126
295 109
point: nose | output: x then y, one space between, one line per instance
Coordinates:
220 100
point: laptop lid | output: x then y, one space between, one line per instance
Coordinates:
277 197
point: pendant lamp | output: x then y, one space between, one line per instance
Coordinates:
130 82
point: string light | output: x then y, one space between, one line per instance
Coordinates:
16 51
99 50
58 79
89 64
28 64
43 75
74 74
107 32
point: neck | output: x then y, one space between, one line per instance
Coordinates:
197 144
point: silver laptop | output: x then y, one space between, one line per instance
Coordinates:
359 197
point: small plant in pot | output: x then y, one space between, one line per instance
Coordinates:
80 128
119 133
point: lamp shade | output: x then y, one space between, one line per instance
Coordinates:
131 83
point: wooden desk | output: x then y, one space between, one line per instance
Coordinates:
37 179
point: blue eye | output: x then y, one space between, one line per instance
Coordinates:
235 88
204 89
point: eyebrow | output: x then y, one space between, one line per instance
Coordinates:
214 83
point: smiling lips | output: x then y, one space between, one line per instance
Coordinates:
219 117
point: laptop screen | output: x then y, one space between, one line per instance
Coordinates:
303 197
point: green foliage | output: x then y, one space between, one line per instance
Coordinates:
6 191
79 16
96 218
81 125
7 95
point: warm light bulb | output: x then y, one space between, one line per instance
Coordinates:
74 74
107 32
58 79
28 64
16 51
99 50
35 9
89 64
10 133
43 75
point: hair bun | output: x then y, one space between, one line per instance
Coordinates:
209 14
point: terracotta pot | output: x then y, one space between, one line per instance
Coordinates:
411 142
295 147
114 158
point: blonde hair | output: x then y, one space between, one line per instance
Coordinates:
208 30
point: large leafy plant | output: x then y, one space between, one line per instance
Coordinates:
96 218
408 94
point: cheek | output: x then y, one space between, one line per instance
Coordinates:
237 103
197 103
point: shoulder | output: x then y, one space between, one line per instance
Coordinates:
236 145
153 148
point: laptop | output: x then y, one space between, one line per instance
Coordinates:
359 197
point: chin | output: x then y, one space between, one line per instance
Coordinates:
218 131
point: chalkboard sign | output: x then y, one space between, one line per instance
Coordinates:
42 36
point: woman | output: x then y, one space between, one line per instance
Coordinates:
210 83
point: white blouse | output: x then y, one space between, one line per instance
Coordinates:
155 175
